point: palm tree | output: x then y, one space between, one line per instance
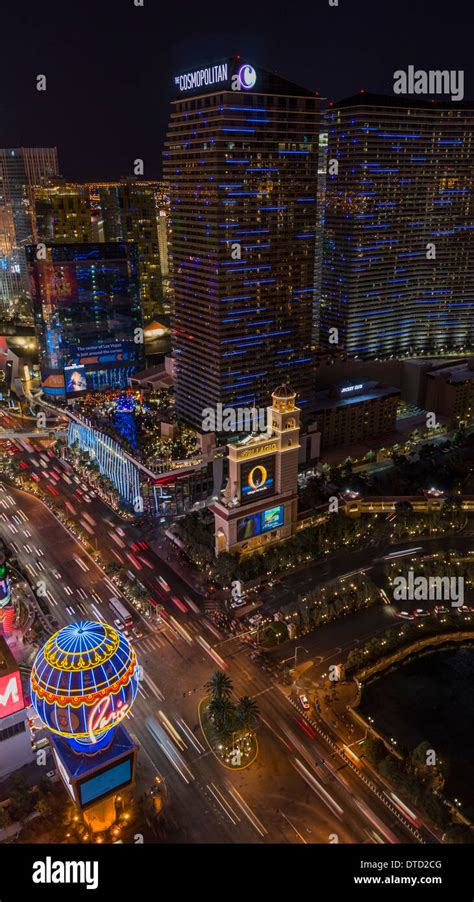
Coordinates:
220 685
246 713
42 807
222 713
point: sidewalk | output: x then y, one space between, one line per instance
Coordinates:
329 702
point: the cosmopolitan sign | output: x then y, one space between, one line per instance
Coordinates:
202 78
245 78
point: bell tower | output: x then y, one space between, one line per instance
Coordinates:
284 417
261 504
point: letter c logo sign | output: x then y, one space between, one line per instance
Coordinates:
247 76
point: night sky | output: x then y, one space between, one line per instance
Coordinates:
110 65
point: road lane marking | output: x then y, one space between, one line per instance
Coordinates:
223 804
243 805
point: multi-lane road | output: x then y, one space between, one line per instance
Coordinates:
299 790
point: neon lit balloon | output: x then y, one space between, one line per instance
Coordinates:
83 682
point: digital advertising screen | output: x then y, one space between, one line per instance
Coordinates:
75 380
248 527
257 478
58 282
272 518
102 784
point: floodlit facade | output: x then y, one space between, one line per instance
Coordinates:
241 166
21 168
398 272
87 313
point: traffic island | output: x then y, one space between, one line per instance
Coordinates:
273 634
233 751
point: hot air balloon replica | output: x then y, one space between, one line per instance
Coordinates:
83 683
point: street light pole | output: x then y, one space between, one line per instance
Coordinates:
296 653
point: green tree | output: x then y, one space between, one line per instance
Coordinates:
246 713
222 713
374 750
220 685
42 806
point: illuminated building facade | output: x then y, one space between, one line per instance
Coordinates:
241 168
129 211
64 213
450 392
351 413
83 684
260 503
397 272
160 493
21 168
87 316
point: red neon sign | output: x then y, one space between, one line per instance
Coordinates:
11 695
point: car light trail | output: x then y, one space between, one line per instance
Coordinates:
210 651
318 789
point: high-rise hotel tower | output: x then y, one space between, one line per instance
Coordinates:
241 164
21 168
398 271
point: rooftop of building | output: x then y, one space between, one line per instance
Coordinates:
357 393
368 99
462 372
267 81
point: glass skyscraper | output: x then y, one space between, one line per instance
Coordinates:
129 212
21 169
398 271
87 314
241 166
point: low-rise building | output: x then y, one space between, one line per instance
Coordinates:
349 413
450 392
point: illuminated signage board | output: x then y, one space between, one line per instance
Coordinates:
255 452
243 78
75 380
247 76
272 518
349 388
11 695
255 524
257 478
202 78
248 527
106 782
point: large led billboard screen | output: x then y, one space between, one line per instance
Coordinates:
257 478
272 518
255 524
105 782
248 527
75 381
